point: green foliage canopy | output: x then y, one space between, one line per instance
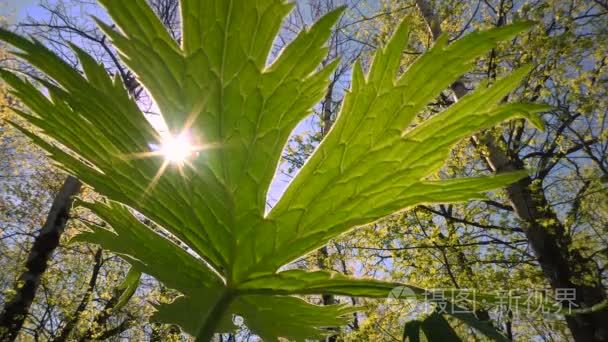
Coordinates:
218 87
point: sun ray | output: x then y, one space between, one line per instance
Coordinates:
159 173
141 155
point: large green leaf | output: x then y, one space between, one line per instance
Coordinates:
411 331
149 251
211 238
270 317
437 328
127 288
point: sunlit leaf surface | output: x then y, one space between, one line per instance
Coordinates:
217 245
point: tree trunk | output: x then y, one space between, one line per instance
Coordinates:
563 266
465 266
71 324
103 315
323 253
328 299
15 311
122 327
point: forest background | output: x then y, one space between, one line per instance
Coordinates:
545 233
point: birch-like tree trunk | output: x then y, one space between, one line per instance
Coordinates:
16 310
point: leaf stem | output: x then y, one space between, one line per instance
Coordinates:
212 320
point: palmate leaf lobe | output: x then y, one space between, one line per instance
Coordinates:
216 244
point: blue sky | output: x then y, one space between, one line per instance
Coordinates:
13 10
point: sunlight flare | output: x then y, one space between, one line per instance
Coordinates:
177 148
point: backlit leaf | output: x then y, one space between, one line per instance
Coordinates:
205 231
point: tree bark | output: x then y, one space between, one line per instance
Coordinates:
563 266
15 311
